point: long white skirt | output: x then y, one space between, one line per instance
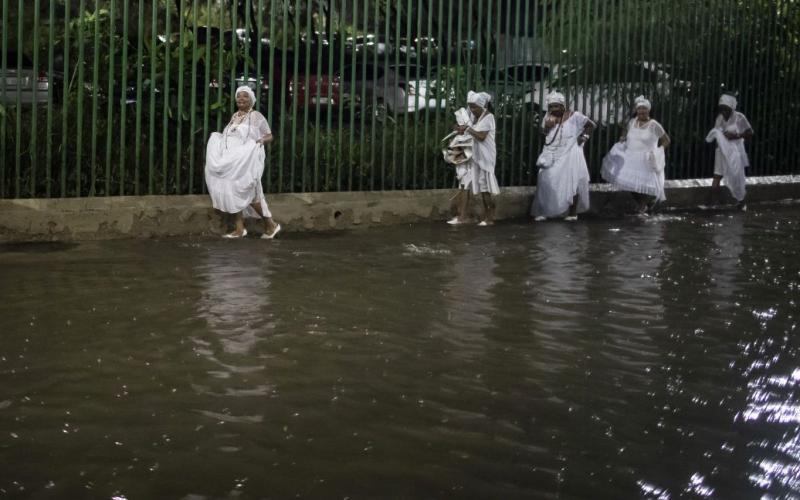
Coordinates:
471 176
233 176
637 171
558 185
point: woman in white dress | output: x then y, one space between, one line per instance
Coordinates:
563 181
636 163
235 163
478 172
730 130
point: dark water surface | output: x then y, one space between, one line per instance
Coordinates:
612 359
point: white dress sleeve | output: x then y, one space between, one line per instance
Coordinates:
579 120
658 130
742 123
485 125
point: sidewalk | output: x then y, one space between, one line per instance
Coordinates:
156 216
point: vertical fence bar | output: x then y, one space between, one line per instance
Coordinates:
417 99
153 83
296 99
193 98
64 105
34 155
307 99
271 83
139 94
18 109
487 70
591 78
181 46
95 95
110 90
284 95
165 90
386 112
81 63
507 66
317 130
123 96
448 47
206 83
3 97
408 99
353 62
51 84
329 150
429 94
362 134
339 139
374 104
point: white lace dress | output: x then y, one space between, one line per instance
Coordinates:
638 164
563 172
234 165
731 157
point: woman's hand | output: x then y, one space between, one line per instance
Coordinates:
462 129
265 140
731 136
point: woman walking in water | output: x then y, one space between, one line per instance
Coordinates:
235 163
563 181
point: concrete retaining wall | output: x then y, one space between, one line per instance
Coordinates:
152 216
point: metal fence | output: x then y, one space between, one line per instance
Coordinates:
118 97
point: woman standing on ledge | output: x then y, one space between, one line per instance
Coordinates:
563 182
478 173
235 163
636 163
730 130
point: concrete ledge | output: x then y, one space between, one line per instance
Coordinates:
154 216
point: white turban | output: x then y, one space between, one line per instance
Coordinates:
556 98
641 101
245 88
478 98
728 100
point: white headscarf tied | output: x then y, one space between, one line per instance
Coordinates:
728 100
478 98
556 98
245 88
641 101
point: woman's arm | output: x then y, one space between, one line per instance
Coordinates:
665 141
266 139
744 135
587 131
481 136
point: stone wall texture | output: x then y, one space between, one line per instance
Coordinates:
157 216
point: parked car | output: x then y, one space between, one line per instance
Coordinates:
32 85
401 88
368 43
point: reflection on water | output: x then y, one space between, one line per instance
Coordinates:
634 358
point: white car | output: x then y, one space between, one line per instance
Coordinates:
402 89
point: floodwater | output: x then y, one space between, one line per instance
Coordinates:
609 358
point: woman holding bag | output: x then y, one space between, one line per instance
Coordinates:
563 181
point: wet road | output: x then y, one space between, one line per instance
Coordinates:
619 358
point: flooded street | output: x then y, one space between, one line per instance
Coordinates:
607 358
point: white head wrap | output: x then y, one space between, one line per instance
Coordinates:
556 98
245 88
728 100
641 101
478 98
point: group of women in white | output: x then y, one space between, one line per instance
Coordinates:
235 160
635 163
